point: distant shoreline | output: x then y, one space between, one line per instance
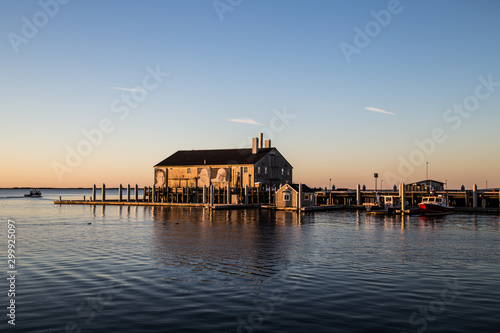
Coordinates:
51 188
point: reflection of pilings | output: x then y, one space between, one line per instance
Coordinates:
128 192
103 192
120 189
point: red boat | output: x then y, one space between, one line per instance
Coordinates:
434 206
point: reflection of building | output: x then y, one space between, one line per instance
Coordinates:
288 196
222 167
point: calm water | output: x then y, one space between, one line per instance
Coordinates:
143 269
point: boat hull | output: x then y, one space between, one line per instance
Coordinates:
376 210
432 209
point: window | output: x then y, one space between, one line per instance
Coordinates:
188 171
282 171
286 197
265 170
191 184
258 170
245 169
306 197
288 172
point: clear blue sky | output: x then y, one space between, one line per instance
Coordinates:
71 67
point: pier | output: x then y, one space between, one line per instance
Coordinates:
204 197
211 197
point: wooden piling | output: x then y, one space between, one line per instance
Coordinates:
103 194
136 193
94 191
241 178
128 192
299 201
120 190
211 195
358 195
474 196
402 190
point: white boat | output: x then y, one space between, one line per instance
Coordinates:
34 194
386 205
434 206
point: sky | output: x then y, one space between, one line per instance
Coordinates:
101 91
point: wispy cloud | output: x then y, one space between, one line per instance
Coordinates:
129 89
379 110
245 121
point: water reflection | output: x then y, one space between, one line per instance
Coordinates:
98 210
388 221
250 243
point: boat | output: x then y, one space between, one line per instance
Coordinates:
386 205
34 194
435 205
409 210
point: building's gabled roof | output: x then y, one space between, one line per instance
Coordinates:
424 182
214 157
295 187
305 188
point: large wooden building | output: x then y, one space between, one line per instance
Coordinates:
222 167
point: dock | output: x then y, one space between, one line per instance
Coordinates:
227 198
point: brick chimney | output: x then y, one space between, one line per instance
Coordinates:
255 145
268 143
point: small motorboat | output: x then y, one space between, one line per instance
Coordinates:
434 206
385 205
34 194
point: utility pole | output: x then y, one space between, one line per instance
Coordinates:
427 175
427 172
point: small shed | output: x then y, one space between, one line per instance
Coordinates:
287 197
